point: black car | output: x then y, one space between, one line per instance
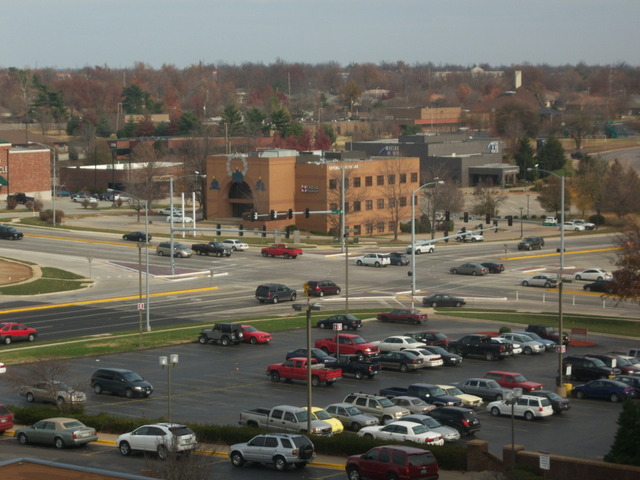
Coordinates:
531 243
349 322
493 267
442 300
136 237
448 357
398 258
460 418
558 403
430 338
598 286
403 361
10 233
118 381
274 293
320 355
631 380
584 367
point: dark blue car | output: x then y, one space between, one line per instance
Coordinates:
316 353
605 389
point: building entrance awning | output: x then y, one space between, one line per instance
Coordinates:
3 182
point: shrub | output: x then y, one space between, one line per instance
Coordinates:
504 330
598 219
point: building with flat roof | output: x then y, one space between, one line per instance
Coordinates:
25 170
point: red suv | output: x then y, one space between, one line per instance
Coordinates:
11 332
320 288
513 380
393 461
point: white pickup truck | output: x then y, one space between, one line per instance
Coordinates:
284 418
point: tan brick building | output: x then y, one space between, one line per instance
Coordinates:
24 170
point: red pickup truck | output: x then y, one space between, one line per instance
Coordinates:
348 344
296 369
281 250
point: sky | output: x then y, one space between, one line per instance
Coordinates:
119 33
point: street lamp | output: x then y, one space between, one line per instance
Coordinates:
53 177
169 362
512 398
560 389
171 179
413 236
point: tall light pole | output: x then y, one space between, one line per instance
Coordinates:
560 389
413 236
170 362
53 176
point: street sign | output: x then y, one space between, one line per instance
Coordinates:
545 461
336 211
337 326
141 306
561 349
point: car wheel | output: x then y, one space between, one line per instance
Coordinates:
128 393
224 341
97 388
163 453
58 442
22 439
434 304
614 397
547 285
7 340
474 273
495 411
280 463
60 401
265 254
404 368
578 277
286 255
237 460
368 435
579 394
315 381
528 351
337 291
525 284
359 375
202 339
160 254
253 341
454 271
489 356
458 304
275 377
587 288
321 325
31 337
377 264
353 474
384 319
355 426
392 476
498 397
274 299
359 263
293 297
529 416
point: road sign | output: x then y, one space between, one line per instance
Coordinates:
337 326
141 306
561 349
336 211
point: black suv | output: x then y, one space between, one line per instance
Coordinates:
222 333
462 419
398 258
274 292
548 333
119 381
10 233
584 367
531 243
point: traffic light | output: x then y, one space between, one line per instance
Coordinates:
466 217
264 231
218 226
254 216
447 216
307 212
290 214
287 233
274 215
510 221
495 226
240 231
446 234
487 218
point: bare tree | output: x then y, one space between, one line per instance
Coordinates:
180 466
352 195
589 190
441 198
551 194
579 125
487 199
622 186
398 193
626 280
143 181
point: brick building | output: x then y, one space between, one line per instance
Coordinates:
25 170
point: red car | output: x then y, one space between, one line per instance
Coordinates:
513 380
6 419
12 332
253 335
404 315
393 461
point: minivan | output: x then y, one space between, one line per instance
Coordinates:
179 249
119 381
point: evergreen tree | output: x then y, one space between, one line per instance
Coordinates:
626 447
551 156
232 118
525 158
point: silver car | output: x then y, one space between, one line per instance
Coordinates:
529 345
179 249
541 280
448 434
52 392
469 269
350 416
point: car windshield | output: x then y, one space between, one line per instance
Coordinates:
597 362
358 340
385 402
453 391
322 415
554 396
419 429
179 245
437 391
417 401
72 424
132 377
438 350
520 378
422 459
620 361
302 416
353 411
250 329
534 336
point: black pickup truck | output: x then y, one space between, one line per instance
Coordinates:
482 345
212 248
350 365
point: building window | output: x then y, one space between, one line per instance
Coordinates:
380 180
346 207
403 201
369 228
368 204
403 178
392 203
380 203
356 206
380 227
333 206
346 183
356 182
333 183
392 226
391 179
414 178
368 181
357 230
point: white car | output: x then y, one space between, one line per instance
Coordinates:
3 369
83 198
413 404
550 222
177 212
236 245
422 247
571 226
468 401
373 260
529 345
428 359
517 348
593 274
401 432
179 219
158 437
587 225
542 280
397 343
469 237
527 406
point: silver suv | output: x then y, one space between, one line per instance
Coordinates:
380 407
179 250
277 449
162 438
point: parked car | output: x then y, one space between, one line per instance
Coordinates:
53 391
320 288
274 293
236 245
179 249
402 361
631 380
605 389
318 413
462 419
223 333
442 300
403 315
162 438
540 280
61 432
529 345
396 343
558 404
493 267
278 449
516 348
10 233
253 335
3 368
468 401
14 332
587 225
469 269
320 355
119 381
429 359
376 405
448 358
348 322
593 274
512 380
399 259
6 419
351 416
549 345
393 461
547 332
584 367
604 286
448 434
137 237
619 362
526 406
373 260
430 338
550 221
401 431
484 388
413 404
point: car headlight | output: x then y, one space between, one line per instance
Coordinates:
137 388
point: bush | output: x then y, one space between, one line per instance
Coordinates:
504 330
598 220
12 203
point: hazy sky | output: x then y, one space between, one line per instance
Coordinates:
117 33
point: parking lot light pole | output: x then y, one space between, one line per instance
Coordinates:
170 362
513 398
413 236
